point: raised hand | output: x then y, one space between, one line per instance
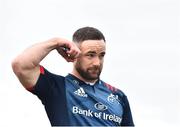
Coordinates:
67 49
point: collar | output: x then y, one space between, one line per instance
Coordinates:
80 82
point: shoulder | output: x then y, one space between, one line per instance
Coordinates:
119 94
46 72
114 90
47 80
48 84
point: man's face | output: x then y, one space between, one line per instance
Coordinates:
90 62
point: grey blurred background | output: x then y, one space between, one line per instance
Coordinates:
143 53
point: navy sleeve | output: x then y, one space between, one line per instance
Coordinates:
50 89
127 119
46 85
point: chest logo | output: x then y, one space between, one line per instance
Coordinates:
100 106
80 92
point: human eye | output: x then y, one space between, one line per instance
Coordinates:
91 55
102 55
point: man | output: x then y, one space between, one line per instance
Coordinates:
80 98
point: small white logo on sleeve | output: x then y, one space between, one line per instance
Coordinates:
80 92
113 98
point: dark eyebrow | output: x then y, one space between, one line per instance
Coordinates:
94 52
103 53
91 52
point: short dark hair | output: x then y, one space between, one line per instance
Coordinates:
88 33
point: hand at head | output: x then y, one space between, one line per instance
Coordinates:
68 50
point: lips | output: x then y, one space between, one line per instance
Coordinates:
94 71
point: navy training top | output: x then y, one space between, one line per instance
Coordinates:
68 101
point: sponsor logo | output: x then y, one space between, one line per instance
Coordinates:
80 92
113 98
100 106
98 115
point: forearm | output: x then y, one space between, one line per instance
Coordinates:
32 56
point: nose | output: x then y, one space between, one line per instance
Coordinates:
96 61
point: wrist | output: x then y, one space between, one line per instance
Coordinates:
53 43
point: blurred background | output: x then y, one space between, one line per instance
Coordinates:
143 53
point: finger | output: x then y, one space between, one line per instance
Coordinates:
66 56
70 59
77 54
74 52
62 52
73 48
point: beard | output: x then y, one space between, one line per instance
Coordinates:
91 73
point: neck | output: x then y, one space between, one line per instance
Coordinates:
76 73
